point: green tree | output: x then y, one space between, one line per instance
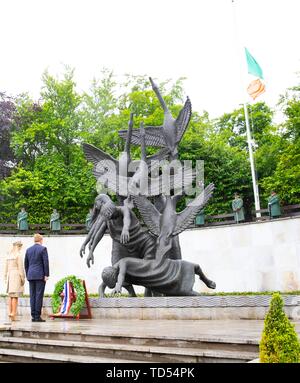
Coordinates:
7 158
279 342
290 105
52 171
97 105
285 175
233 126
276 146
50 126
51 184
229 169
225 165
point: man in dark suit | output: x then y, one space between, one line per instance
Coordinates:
37 273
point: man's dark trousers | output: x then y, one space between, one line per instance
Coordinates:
36 289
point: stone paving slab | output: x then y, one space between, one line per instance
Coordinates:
210 330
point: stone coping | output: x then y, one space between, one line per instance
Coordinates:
180 302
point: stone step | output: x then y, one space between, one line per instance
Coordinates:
128 351
217 343
24 356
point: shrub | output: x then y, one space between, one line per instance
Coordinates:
279 343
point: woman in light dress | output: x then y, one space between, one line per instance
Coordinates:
14 276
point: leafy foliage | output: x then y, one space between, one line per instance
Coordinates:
286 176
52 170
52 125
279 342
225 165
51 184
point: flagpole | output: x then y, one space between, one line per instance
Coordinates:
251 158
249 139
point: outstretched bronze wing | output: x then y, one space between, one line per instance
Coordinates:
183 119
105 167
187 216
96 155
149 213
153 136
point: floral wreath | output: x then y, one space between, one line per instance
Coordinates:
78 304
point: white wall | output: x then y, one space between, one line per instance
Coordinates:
245 257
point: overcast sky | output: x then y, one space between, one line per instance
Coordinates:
197 39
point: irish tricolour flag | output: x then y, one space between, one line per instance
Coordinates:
256 86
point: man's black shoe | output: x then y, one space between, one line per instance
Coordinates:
38 320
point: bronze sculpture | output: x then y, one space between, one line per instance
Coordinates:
168 276
55 221
148 257
22 220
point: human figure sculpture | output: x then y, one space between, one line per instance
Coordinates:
274 205
22 220
124 228
55 221
200 219
165 276
129 238
238 208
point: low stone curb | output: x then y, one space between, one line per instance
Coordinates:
187 308
201 301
